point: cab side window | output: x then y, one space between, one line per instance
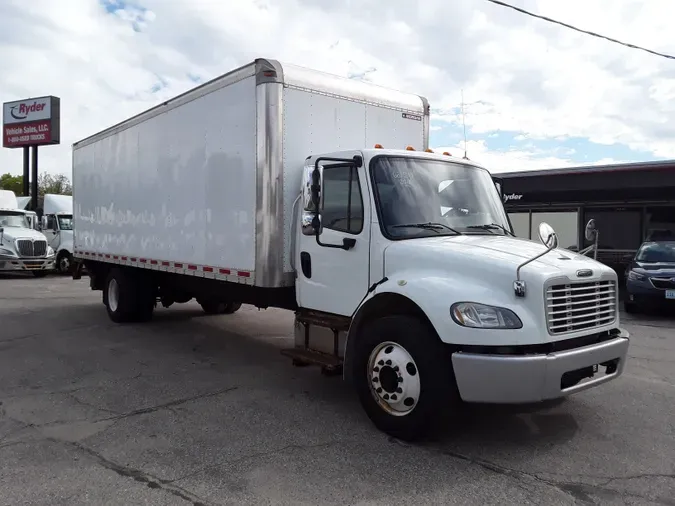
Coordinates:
342 205
51 222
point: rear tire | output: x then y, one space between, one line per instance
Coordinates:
213 307
404 377
128 297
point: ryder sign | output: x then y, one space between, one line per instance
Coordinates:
31 122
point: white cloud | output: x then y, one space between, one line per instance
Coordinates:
523 158
517 73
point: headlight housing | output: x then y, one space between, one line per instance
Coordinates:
4 252
482 316
50 251
634 276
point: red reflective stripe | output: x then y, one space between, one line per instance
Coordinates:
207 269
165 263
153 262
224 271
244 274
116 257
176 264
192 267
132 259
124 258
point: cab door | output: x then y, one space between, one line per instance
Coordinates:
333 273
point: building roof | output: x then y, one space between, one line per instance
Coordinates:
590 169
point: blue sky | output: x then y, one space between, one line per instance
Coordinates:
537 93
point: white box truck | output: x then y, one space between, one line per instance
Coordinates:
270 186
22 248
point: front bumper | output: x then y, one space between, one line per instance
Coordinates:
523 379
27 265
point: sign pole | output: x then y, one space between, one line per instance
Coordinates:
26 174
34 189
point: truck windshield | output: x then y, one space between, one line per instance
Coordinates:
65 222
15 220
420 198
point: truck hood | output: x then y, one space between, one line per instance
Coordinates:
12 233
488 257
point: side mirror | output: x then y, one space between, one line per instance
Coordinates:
500 187
547 235
311 217
591 231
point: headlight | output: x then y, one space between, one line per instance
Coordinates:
50 251
7 253
481 316
634 276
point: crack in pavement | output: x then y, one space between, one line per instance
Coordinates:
137 475
580 492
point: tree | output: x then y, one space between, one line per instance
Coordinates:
47 183
12 183
58 184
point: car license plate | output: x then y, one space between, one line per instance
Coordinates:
670 294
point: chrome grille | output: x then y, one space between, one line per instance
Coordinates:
580 306
30 248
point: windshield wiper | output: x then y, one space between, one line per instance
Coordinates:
492 226
427 226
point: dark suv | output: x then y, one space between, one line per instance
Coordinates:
650 277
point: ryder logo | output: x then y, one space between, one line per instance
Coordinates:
21 111
512 196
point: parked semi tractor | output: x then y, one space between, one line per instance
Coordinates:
279 186
57 225
22 249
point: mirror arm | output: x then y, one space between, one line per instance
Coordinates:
518 284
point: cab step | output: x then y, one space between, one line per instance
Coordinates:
330 364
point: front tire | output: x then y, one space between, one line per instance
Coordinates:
64 263
630 307
404 377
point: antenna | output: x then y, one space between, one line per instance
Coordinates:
464 124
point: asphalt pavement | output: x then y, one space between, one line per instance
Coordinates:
204 410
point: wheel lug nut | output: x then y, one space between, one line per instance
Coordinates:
375 380
395 368
376 369
399 390
381 362
400 380
386 397
379 390
388 362
393 397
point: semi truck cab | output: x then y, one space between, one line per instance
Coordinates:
410 260
23 249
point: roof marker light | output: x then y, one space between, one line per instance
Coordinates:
409 148
446 153
429 150
378 146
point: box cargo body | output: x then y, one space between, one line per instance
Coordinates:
204 184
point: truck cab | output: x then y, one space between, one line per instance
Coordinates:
22 249
57 225
410 260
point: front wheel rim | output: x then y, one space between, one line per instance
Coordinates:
113 295
394 379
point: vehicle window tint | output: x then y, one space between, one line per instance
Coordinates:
342 205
